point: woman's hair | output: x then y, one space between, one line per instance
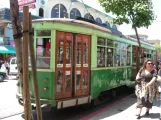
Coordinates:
145 62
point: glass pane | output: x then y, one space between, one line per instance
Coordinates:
85 54
68 55
43 32
55 11
101 56
43 53
109 57
67 81
110 43
128 58
117 45
85 79
78 51
59 86
101 41
128 47
134 54
78 79
123 54
63 11
69 39
117 57
60 55
123 46
74 13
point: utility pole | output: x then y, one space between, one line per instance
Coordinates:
26 100
34 72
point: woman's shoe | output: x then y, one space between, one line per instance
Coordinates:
138 116
147 113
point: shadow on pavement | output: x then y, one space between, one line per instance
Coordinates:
3 81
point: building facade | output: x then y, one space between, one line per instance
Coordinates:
53 9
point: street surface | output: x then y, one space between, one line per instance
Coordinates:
122 107
9 105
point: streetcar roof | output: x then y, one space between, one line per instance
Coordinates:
87 24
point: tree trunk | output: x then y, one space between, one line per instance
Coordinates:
137 51
17 29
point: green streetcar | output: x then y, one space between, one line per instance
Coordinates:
77 61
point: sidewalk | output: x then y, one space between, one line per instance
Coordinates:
124 109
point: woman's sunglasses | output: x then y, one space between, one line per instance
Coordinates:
150 63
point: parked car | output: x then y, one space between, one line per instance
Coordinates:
3 75
13 66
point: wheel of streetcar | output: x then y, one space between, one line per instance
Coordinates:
1 78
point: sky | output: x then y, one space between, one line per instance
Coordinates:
154 31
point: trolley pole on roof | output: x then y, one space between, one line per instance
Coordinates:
34 72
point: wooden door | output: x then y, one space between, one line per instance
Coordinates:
72 65
63 78
82 65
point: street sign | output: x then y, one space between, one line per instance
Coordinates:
31 6
25 2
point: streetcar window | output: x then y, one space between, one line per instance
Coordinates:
128 61
134 54
110 53
101 41
109 43
109 57
101 56
117 57
43 33
43 52
122 54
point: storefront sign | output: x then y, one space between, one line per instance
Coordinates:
25 2
9 25
31 6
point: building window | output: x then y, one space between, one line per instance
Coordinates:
88 16
107 23
1 31
41 12
59 11
98 20
75 13
114 27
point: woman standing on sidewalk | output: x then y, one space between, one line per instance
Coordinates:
146 88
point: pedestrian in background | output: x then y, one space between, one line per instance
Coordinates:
1 62
156 65
6 64
146 88
159 77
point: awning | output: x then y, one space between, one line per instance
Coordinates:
7 49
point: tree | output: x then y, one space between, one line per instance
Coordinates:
138 13
158 49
